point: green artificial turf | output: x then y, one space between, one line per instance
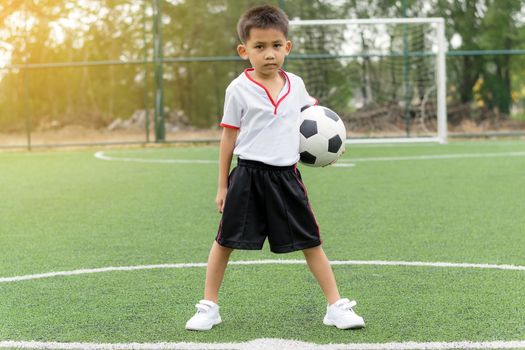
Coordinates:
67 210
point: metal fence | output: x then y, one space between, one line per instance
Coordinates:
166 91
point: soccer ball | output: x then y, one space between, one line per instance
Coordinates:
323 136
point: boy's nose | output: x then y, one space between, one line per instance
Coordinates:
269 55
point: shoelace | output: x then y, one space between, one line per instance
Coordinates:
346 304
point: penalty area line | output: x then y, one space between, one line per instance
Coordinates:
264 344
259 262
102 156
436 156
340 163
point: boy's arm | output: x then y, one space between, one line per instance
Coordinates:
229 136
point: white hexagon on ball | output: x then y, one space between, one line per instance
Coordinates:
323 136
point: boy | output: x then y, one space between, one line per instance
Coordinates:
264 194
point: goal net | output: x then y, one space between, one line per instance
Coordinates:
385 77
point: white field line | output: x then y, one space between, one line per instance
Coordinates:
102 156
265 344
341 163
259 262
436 156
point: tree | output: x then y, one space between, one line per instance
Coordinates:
482 25
463 17
499 31
67 31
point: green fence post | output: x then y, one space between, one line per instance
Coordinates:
146 109
160 132
27 112
25 86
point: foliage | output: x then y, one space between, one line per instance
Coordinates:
484 25
47 31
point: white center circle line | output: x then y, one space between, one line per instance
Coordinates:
259 262
264 344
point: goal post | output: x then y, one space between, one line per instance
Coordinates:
386 77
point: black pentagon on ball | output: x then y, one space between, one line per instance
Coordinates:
308 128
330 114
307 158
305 107
334 144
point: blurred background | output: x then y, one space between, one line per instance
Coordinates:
76 72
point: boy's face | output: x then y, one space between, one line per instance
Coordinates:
266 50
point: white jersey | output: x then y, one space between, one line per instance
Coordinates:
268 129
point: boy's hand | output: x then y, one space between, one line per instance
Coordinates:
220 199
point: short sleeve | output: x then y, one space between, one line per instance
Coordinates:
232 111
305 99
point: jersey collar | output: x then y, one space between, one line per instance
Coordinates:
275 105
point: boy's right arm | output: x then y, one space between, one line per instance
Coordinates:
229 136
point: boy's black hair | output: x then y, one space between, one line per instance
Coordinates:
262 17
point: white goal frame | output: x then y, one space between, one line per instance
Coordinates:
440 72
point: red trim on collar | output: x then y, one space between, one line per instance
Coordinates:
276 105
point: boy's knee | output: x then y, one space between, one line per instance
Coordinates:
310 251
227 250
223 249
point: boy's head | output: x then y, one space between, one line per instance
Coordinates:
263 31
262 17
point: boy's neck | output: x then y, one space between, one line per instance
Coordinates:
278 76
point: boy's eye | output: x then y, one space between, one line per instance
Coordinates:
277 45
258 46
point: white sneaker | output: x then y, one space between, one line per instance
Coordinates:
206 317
341 315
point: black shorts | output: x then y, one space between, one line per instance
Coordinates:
267 201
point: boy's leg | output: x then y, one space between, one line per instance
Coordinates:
339 311
207 314
322 271
217 262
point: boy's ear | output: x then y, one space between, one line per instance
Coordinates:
288 47
241 50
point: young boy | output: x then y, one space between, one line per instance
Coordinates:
264 195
